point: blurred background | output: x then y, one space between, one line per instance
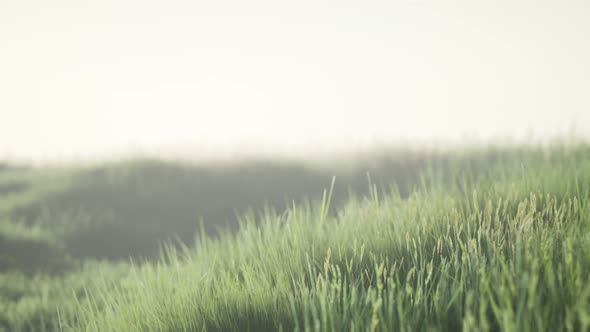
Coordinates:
144 118
128 125
95 80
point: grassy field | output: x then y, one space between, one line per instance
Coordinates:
479 239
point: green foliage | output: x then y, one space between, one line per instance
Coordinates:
492 240
30 249
138 205
502 251
41 302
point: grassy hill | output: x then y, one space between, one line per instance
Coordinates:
490 239
128 209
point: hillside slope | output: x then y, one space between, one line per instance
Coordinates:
506 250
128 209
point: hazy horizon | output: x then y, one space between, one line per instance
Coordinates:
96 79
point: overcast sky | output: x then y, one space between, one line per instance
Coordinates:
94 78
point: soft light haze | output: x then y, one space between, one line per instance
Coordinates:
95 78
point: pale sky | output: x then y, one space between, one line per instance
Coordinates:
94 78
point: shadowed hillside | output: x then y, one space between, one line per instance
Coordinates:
125 209
55 222
129 208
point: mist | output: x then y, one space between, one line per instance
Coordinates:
90 80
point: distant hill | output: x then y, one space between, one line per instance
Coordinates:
130 208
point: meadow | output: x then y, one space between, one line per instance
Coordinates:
488 238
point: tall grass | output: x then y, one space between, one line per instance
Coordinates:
39 302
506 249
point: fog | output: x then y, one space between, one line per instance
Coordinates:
92 79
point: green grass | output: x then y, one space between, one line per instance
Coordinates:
35 303
507 250
139 204
495 239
